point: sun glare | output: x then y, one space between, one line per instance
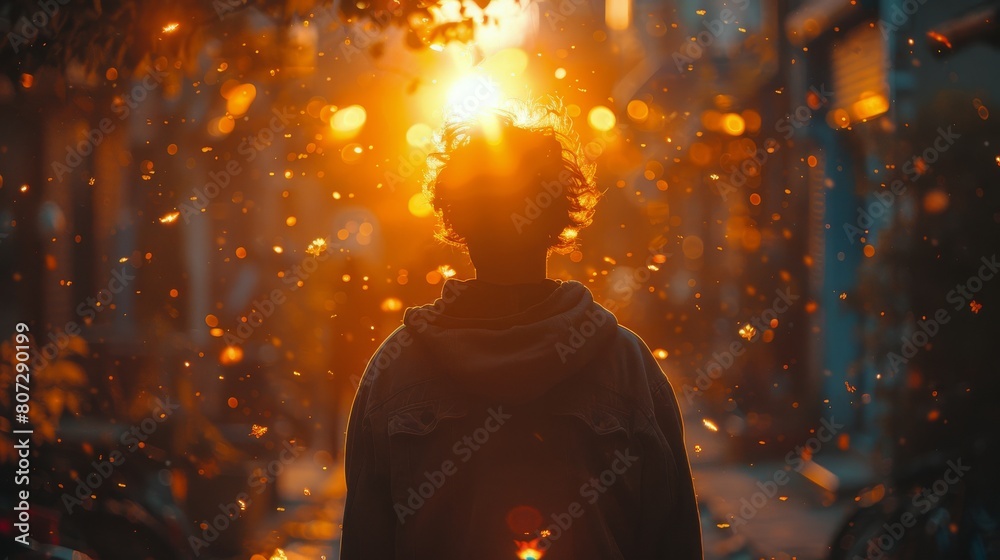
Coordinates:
471 96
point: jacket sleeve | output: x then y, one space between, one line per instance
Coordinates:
369 523
679 536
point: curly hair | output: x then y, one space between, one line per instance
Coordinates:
519 170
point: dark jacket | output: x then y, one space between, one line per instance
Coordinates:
516 422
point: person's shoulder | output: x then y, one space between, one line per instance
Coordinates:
629 365
395 363
629 345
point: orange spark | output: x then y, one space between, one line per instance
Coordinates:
170 217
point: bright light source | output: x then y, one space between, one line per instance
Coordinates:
471 96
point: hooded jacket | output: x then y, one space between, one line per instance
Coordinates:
506 422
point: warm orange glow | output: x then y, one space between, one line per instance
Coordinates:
347 122
419 206
709 424
869 107
939 39
419 135
838 118
231 355
936 201
317 247
821 476
528 550
693 247
171 27
601 118
618 14
239 98
733 124
507 62
637 110
391 304
170 217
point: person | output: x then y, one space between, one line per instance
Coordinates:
513 417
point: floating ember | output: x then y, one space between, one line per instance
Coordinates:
170 218
317 247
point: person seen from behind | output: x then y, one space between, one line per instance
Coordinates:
514 418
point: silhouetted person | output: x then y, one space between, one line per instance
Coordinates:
514 418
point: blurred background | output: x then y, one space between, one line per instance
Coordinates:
211 215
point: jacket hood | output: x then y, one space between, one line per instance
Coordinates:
515 357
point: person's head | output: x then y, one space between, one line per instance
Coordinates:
512 183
